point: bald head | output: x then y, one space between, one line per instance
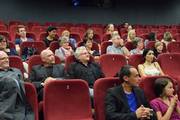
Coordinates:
47 56
4 60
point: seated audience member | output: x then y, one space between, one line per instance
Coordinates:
51 35
158 48
117 47
72 41
151 37
27 52
139 45
109 29
88 43
64 50
131 35
149 67
127 101
4 46
167 38
14 105
89 34
84 69
129 28
114 33
166 105
125 25
42 74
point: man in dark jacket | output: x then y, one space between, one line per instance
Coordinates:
42 74
84 69
127 101
13 103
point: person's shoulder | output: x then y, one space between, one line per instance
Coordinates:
155 101
115 90
15 69
58 65
17 41
36 67
110 47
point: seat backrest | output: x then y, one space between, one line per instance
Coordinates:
31 96
6 34
104 46
111 64
36 60
135 60
147 84
100 89
16 62
53 46
169 63
67 100
129 46
173 47
38 45
11 45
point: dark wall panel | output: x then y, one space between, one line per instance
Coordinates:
133 11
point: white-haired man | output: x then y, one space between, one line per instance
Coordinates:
84 69
13 103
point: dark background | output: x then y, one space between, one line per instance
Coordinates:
89 11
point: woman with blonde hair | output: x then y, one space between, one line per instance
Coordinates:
131 35
167 38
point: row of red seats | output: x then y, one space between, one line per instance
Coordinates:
169 63
37 31
69 99
40 45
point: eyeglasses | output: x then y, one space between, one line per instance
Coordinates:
85 53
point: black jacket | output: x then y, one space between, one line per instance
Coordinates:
90 73
117 107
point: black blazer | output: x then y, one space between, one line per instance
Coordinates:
117 107
39 74
13 103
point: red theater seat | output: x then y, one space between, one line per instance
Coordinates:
100 89
111 64
67 100
31 96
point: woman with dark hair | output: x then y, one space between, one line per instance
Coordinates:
4 46
88 43
149 67
166 105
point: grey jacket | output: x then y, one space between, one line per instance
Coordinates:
13 103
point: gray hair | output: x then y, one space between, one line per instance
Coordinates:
79 51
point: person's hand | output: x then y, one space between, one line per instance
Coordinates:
139 112
48 80
173 101
143 113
